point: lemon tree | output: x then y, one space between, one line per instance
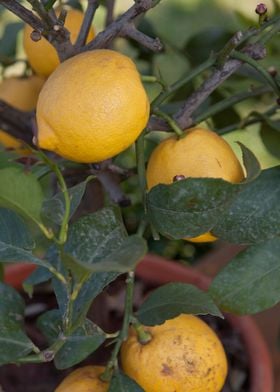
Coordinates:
131 146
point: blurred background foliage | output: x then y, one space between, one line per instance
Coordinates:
190 30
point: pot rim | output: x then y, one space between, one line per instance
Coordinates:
15 274
155 269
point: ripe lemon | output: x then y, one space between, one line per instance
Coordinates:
41 55
85 379
184 355
199 153
92 107
22 93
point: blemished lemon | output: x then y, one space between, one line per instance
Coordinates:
200 153
85 379
41 55
92 107
22 93
184 355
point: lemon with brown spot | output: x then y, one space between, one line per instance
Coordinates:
92 107
184 355
22 93
85 379
41 55
198 153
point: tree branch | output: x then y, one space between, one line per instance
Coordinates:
88 18
184 116
24 14
115 29
110 5
16 122
154 44
48 26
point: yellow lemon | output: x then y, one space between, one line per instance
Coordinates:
22 93
41 55
85 379
92 107
199 153
184 355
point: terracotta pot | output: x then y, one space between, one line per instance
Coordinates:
15 274
157 271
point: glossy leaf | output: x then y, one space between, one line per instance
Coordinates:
78 345
8 42
54 208
254 214
252 165
270 134
91 239
13 230
21 192
10 254
123 259
122 383
95 236
13 340
172 299
189 207
250 283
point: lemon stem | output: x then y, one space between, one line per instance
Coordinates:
46 355
128 309
143 335
173 125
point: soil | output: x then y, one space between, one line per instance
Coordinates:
45 377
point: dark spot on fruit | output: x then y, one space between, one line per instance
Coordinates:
219 163
166 370
177 340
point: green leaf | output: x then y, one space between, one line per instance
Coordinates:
13 340
250 283
49 4
10 253
172 299
92 238
78 345
54 208
95 236
40 275
254 214
8 42
123 259
189 207
252 165
16 241
122 383
21 192
270 135
13 230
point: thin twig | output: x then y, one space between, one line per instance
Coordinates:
48 26
110 5
24 14
104 38
87 22
183 117
154 44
